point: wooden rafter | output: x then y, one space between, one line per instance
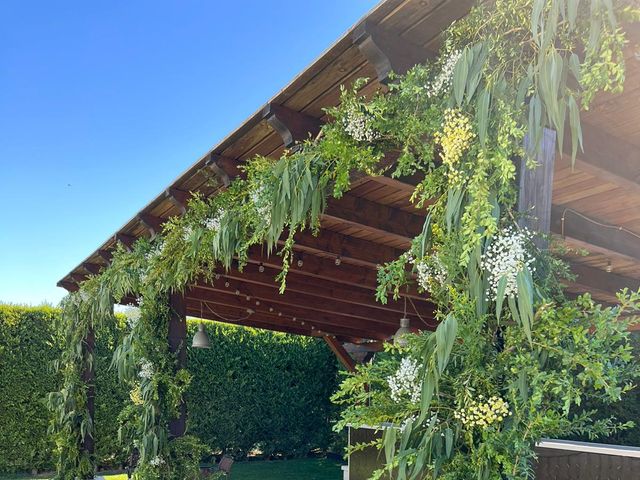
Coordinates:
152 223
599 281
292 126
329 313
386 51
125 239
567 223
236 307
321 287
179 198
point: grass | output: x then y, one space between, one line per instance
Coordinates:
306 468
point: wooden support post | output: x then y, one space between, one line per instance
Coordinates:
178 345
340 352
536 186
88 378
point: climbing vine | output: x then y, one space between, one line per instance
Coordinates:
511 359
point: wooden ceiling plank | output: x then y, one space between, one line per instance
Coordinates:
567 223
320 287
295 315
593 279
610 159
303 304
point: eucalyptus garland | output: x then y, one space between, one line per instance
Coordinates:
511 359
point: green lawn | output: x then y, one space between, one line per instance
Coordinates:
307 469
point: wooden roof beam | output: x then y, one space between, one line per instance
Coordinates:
127 240
298 316
69 286
321 287
92 268
292 126
325 268
179 198
152 223
339 351
225 169
105 255
262 321
302 307
387 51
385 220
350 249
566 223
596 280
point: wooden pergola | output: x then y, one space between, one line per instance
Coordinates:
330 288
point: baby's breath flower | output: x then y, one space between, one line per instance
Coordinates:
146 369
156 461
505 258
442 81
431 272
357 125
404 384
187 232
133 316
213 223
261 199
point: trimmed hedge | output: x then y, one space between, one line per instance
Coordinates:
253 389
256 389
27 347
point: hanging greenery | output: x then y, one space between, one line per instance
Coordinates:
511 358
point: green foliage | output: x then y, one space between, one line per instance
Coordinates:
506 69
111 396
27 346
254 370
252 390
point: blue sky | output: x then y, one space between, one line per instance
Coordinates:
102 104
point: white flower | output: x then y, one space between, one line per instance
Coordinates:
154 252
261 199
156 461
431 272
505 258
214 222
406 421
443 80
146 369
404 384
133 315
358 126
187 232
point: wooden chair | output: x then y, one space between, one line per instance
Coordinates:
225 464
